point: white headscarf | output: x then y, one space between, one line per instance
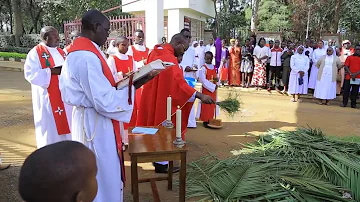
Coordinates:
193 44
297 51
112 50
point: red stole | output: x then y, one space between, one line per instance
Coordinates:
140 55
126 66
57 105
207 111
84 44
170 82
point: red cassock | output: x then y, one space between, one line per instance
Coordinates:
125 66
208 111
170 82
138 56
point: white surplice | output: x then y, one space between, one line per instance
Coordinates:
200 55
208 85
39 78
84 85
138 47
188 61
111 62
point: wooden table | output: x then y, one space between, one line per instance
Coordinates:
155 148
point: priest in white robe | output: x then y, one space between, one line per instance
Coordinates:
87 83
52 117
188 61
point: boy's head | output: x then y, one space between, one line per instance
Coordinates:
61 172
208 57
122 43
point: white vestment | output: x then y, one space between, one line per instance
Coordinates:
112 65
326 88
212 49
210 86
138 47
298 63
84 85
316 55
200 55
187 61
39 78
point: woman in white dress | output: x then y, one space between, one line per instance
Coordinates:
298 84
112 50
328 66
317 54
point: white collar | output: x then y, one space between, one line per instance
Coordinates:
122 56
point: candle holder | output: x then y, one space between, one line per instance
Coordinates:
168 124
179 142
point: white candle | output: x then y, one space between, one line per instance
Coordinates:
178 123
168 109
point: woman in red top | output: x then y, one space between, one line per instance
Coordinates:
352 78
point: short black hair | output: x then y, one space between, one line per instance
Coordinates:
184 30
262 38
56 172
45 31
119 40
209 53
90 18
247 39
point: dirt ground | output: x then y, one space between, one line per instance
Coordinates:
259 112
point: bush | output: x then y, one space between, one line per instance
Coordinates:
15 49
12 55
30 40
7 40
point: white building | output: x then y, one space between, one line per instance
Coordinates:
168 17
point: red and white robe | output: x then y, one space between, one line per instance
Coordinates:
52 117
206 74
123 63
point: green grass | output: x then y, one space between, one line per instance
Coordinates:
12 55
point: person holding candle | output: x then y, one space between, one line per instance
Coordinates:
121 64
208 79
170 82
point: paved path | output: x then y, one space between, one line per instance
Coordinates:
11 66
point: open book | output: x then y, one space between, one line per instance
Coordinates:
143 71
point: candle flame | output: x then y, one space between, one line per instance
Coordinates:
178 107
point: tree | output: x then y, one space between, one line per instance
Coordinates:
254 15
18 20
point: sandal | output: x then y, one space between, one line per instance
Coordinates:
292 100
299 100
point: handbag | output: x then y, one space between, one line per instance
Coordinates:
338 76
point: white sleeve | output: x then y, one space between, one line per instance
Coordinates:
33 71
135 67
111 63
139 64
129 52
107 100
292 65
307 65
206 83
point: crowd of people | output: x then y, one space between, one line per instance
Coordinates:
75 97
327 70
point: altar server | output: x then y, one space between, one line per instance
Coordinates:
120 65
88 84
52 117
298 83
208 78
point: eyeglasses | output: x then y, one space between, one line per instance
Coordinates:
106 30
189 37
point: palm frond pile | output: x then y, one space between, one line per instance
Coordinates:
231 104
282 166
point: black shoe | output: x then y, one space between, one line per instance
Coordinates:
354 107
159 168
206 124
342 105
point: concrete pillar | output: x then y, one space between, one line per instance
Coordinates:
175 22
154 22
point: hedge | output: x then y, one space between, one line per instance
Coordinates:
27 41
14 49
12 55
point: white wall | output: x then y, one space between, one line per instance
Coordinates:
205 7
